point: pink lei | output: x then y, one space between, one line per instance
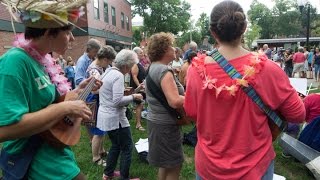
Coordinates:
54 70
250 70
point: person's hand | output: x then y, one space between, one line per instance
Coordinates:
84 83
77 109
137 96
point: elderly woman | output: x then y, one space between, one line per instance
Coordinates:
105 57
164 135
137 76
234 139
29 102
112 117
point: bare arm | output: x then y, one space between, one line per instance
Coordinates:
134 73
170 90
36 122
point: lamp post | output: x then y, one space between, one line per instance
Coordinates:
302 4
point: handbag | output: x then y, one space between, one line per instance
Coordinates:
156 91
276 124
15 166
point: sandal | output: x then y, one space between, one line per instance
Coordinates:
140 128
100 162
104 154
115 174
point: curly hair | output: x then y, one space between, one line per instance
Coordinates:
158 45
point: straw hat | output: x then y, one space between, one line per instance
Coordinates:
45 13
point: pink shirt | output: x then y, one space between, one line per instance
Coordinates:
234 140
299 57
312 105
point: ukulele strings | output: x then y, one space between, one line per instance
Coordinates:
87 90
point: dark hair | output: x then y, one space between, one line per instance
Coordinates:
191 56
34 33
228 21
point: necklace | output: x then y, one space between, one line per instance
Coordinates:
250 70
51 68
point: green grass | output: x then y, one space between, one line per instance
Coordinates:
289 168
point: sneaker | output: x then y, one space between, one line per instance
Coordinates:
286 155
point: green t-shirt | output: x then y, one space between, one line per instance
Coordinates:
26 88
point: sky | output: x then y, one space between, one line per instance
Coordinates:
199 6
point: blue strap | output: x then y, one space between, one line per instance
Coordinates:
250 91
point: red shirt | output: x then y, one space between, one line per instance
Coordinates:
234 140
312 105
299 57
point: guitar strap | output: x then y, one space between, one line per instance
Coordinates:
250 91
159 95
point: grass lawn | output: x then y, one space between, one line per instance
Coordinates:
289 168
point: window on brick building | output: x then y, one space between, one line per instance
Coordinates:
105 11
122 20
127 20
113 14
96 9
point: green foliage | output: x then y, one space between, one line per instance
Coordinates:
260 15
284 20
163 15
252 34
185 38
137 31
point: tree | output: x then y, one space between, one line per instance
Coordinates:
252 34
286 18
262 16
137 31
185 38
203 25
163 15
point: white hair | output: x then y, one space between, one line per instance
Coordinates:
193 45
126 58
137 50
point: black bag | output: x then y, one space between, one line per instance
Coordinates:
129 113
191 137
15 166
143 156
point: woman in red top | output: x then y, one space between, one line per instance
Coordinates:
234 139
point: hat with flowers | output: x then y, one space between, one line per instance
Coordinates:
45 13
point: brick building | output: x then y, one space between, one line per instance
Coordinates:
109 21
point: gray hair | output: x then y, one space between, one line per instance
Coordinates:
137 50
300 49
193 45
93 44
107 52
126 58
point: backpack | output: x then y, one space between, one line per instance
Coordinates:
191 137
310 135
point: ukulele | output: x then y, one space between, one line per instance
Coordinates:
67 132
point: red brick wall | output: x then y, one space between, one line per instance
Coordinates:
78 47
4 15
6 39
120 6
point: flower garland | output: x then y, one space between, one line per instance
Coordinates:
254 67
63 15
51 68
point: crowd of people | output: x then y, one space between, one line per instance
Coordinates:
234 137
